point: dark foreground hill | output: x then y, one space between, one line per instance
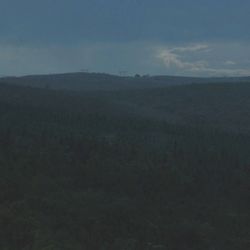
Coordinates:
114 170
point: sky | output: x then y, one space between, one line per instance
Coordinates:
156 37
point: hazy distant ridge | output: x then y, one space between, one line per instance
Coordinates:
100 81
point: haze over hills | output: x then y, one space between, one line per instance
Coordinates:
100 81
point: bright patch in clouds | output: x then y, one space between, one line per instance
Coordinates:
172 57
205 59
230 63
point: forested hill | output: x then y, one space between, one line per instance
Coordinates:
135 169
97 81
221 105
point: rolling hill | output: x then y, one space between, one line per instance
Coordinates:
132 168
97 81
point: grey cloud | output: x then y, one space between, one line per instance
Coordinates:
199 59
206 59
230 62
172 57
98 57
190 48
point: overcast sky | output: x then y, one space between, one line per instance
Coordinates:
174 37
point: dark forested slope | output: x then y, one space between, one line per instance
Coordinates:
82 171
221 105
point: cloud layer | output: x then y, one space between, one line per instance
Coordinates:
196 59
206 59
195 37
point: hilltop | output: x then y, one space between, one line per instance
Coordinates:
98 81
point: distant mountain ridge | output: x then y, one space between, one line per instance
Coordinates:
80 81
